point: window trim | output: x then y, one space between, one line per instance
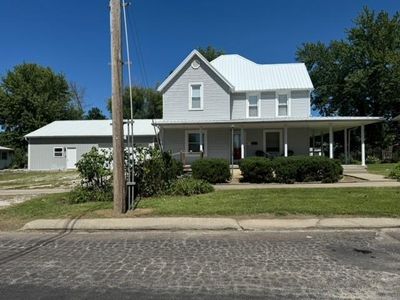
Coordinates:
258 105
62 152
187 132
289 104
280 139
201 95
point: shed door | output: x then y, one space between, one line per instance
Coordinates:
71 158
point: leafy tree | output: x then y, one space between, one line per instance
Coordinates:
95 113
32 96
147 103
210 53
359 75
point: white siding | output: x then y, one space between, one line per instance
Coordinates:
300 104
216 100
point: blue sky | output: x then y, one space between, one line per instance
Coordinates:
72 36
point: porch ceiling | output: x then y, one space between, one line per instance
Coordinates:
318 123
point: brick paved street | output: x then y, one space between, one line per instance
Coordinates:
217 265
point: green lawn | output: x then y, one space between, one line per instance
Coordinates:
381 169
46 207
373 202
322 202
20 179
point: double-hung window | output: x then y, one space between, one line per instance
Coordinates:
283 105
195 96
196 141
253 110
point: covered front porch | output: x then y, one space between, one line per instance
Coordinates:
236 139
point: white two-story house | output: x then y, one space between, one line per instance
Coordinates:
232 108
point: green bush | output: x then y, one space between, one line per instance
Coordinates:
291 169
94 169
155 171
213 170
82 194
285 169
395 172
256 170
190 186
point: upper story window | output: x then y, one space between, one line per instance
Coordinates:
196 96
253 109
283 105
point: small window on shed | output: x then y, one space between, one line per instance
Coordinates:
58 152
4 155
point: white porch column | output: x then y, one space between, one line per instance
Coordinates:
363 145
242 143
201 140
285 143
345 146
330 142
313 143
321 152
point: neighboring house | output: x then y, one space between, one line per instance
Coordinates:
60 144
233 108
6 156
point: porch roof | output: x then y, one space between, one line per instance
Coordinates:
290 122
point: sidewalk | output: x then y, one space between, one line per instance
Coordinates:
187 223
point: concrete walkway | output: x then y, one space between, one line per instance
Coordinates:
187 223
248 186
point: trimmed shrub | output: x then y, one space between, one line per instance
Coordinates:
291 169
189 186
285 169
213 170
256 170
395 172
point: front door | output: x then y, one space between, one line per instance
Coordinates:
237 149
71 158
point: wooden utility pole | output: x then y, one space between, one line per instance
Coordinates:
116 106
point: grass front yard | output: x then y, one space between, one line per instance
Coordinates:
23 179
380 169
371 202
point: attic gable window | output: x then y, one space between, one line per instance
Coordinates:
196 96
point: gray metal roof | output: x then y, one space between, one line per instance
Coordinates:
246 75
78 128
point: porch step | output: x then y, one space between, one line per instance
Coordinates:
354 169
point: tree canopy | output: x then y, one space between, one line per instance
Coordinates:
147 103
95 113
32 96
359 75
210 53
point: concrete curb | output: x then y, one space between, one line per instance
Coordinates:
182 223
187 223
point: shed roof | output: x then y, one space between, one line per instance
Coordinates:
246 75
88 128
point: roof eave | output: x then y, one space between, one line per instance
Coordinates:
165 83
